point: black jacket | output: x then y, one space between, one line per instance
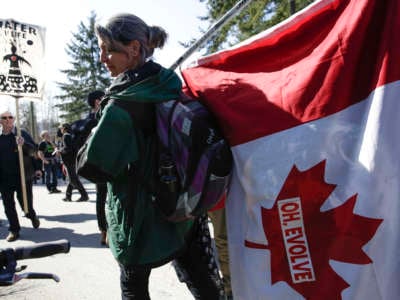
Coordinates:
9 160
68 151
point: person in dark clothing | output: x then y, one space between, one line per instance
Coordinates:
47 154
10 178
93 100
68 155
38 165
101 197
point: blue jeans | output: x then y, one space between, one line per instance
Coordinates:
50 170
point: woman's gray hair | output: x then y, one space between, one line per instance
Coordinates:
124 28
43 133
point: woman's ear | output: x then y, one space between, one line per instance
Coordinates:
134 48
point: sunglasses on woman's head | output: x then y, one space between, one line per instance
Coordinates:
7 117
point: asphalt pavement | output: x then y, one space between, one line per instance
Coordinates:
88 271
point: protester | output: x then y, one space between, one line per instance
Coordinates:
139 236
10 178
68 155
93 100
47 154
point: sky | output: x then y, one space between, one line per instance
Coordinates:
180 18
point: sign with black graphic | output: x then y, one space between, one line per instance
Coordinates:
21 59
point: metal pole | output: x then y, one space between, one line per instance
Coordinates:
33 121
21 157
239 6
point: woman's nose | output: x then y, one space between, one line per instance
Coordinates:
103 57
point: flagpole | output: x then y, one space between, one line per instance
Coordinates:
239 6
20 156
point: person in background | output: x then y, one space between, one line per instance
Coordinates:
37 162
218 220
93 100
10 178
61 170
121 152
47 153
68 155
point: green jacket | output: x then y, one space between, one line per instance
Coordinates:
138 233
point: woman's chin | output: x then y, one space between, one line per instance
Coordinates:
112 72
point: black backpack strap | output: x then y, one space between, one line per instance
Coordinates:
144 118
142 114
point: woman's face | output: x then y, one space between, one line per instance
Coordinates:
120 59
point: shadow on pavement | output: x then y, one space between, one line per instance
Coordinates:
40 235
71 218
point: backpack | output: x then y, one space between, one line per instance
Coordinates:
79 133
195 161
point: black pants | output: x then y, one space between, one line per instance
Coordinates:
196 267
7 193
73 181
101 197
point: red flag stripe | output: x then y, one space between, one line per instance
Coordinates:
318 64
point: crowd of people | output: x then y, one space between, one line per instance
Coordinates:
138 235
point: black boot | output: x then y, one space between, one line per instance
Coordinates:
81 199
84 195
67 198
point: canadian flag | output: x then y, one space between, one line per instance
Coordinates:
311 109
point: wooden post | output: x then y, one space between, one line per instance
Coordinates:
21 157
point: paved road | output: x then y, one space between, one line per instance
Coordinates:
88 271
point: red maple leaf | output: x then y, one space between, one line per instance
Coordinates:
302 239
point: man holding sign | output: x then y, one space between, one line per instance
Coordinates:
21 75
10 173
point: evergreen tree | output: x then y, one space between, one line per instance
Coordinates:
256 17
86 74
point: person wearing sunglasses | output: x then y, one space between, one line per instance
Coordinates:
10 179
